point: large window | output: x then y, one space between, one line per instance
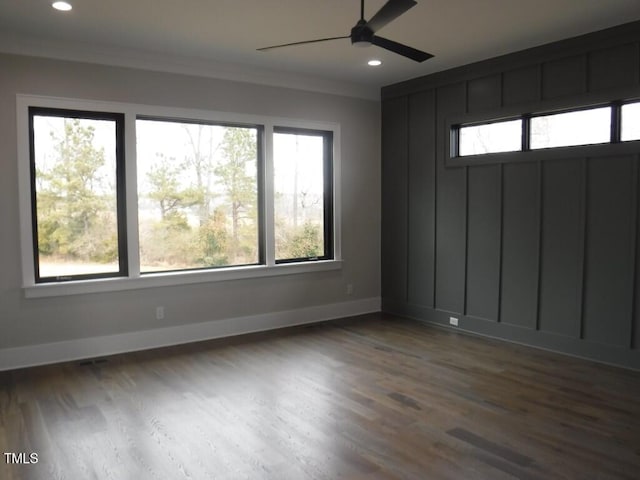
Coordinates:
197 195
77 194
149 196
303 194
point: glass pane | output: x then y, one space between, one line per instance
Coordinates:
491 138
582 127
631 122
76 200
299 195
197 195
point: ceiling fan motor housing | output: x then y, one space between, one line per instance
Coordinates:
361 34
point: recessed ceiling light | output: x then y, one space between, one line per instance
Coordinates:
62 6
374 63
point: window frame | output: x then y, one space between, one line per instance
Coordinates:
458 129
121 208
327 168
621 118
260 167
613 137
615 146
134 279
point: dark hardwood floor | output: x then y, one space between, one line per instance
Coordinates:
375 397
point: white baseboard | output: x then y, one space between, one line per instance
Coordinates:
42 354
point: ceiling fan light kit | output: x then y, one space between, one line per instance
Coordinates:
363 34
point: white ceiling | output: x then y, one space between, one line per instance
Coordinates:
220 37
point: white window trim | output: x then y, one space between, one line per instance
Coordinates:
135 280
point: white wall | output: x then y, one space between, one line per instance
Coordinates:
31 322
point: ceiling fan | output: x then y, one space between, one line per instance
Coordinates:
363 33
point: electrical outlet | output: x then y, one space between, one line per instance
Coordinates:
453 321
159 313
349 288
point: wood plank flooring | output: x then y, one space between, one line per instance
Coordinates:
374 397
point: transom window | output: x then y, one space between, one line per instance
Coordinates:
612 123
630 122
490 138
580 127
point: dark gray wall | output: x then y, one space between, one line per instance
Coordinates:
542 251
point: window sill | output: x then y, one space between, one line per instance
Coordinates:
169 279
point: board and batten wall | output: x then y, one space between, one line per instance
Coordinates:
542 252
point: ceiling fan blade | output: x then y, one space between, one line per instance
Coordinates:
400 49
302 43
389 11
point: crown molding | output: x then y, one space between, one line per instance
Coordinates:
17 44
